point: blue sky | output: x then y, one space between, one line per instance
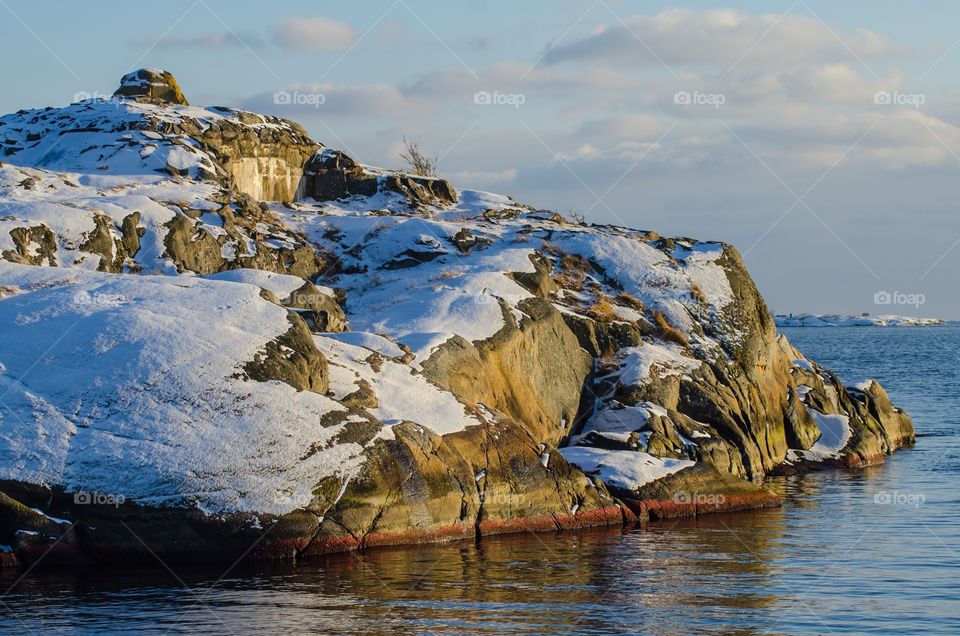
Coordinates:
831 193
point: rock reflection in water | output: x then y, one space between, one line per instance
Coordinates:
533 582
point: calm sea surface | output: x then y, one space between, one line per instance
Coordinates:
871 551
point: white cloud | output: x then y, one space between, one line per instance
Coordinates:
799 100
353 100
718 39
317 33
622 127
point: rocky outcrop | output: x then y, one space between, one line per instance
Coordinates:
264 156
118 230
331 175
273 159
151 85
491 368
418 488
486 480
532 369
251 238
746 402
35 245
876 427
320 310
697 491
726 392
738 391
291 358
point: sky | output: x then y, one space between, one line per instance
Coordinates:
820 138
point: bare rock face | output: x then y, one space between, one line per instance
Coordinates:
422 487
151 84
192 247
264 156
293 359
747 401
699 490
752 400
533 369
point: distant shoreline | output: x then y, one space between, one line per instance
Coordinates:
841 320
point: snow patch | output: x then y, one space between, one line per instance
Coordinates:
280 285
668 358
402 393
146 399
834 435
623 469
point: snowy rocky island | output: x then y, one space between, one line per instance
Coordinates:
220 338
864 320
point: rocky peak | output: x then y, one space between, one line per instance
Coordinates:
150 84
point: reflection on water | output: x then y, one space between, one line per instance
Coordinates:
641 580
850 552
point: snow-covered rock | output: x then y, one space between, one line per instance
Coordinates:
223 327
135 384
866 320
151 84
628 470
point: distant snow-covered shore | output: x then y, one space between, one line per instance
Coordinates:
839 320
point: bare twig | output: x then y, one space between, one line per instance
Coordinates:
417 162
